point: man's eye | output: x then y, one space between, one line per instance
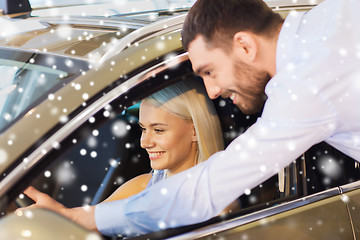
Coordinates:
142 129
207 73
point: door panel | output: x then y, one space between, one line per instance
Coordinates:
326 219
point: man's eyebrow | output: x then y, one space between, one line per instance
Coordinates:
200 69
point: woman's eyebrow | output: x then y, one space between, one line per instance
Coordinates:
153 124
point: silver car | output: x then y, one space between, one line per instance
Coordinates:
69 97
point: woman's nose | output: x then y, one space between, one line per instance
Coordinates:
146 141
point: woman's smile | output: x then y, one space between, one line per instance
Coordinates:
155 155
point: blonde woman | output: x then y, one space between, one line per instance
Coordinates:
180 128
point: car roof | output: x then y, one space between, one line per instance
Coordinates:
102 27
90 38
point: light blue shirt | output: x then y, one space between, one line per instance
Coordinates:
312 98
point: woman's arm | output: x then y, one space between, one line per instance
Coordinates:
131 187
85 216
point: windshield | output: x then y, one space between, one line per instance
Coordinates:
27 78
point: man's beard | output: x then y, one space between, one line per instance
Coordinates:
251 83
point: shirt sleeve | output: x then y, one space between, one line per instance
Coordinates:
203 191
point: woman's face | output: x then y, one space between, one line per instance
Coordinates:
169 140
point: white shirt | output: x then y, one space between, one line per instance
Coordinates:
313 97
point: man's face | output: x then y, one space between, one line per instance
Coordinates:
227 76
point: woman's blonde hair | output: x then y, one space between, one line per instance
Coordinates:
188 100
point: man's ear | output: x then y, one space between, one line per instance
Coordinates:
245 46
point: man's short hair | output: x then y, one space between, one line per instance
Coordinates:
218 20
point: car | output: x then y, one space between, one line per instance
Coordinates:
69 98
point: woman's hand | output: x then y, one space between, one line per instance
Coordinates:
43 200
84 216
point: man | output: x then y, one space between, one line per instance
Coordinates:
307 69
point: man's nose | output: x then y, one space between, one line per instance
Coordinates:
213 90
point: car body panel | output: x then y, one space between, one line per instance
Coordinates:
327 219
42 224
324 209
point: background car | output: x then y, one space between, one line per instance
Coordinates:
69 97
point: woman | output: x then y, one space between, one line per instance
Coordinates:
180 128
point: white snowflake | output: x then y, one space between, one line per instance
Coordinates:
93 236
93 154
164 191
83 152
64 31
160 45
222 103
84 188
26 233
113 162
119 181
65 174
329 167
161 224
3 156
119 129
64 119
47 174
92 142
291 146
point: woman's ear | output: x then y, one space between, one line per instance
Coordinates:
245 46
194 137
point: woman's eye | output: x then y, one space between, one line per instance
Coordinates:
207 73
159 130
